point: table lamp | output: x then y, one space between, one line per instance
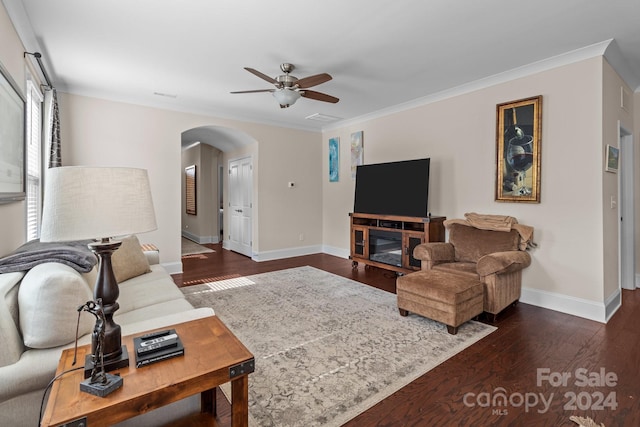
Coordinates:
99 203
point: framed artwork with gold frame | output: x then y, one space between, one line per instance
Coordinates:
190 189
518 134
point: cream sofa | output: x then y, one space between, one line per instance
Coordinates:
38 315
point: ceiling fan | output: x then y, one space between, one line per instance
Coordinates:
289 88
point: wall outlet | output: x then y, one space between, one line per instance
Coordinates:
301 237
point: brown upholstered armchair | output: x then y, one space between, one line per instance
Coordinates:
493 257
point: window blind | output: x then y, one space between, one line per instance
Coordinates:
34 168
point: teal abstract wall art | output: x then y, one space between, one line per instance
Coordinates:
334 159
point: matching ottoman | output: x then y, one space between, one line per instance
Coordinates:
448 298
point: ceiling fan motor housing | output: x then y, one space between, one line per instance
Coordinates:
286 80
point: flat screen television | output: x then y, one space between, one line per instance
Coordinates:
394 188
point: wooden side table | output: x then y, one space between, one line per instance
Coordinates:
213 356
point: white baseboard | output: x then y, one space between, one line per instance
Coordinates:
172 267
592 310
286 253
612 304
339 252
200 239
588 309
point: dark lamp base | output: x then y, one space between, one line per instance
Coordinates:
113 383
109 365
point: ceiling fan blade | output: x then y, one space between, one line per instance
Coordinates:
254 91
313 80
262 76
319 96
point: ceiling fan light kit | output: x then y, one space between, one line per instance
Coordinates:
289 88
286 97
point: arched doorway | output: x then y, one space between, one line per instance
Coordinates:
212 149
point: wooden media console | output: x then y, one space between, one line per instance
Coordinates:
387 241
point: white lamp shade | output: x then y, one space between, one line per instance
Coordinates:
286 96
95 202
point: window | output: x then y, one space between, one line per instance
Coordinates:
34 168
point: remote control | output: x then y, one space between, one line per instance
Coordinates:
158 340
156 347
156 334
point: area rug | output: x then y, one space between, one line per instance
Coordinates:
190 247
326 348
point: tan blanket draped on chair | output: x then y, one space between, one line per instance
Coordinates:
497 223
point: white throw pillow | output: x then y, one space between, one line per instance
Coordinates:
48 302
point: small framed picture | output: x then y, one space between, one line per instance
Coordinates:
612 159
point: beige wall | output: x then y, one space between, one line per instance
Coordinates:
202 227
458 134
613 117
96 132
282 214
290 217
102 132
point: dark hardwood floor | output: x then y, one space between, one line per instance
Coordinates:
539 368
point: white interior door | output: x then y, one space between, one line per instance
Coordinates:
240 205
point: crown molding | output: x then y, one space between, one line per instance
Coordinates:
608 48
182 108
591 51
616 59
18 15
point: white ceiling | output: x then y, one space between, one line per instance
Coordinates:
380 53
